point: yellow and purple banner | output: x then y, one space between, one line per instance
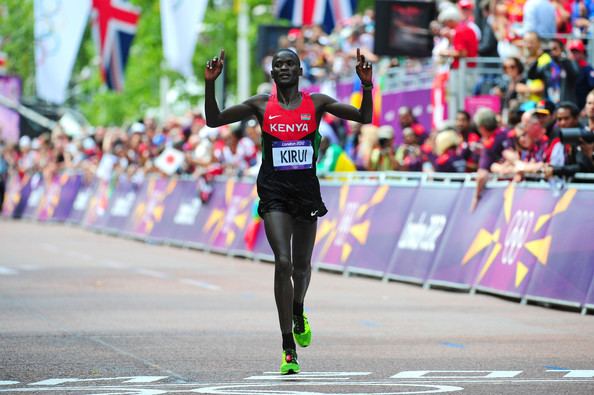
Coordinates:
524 240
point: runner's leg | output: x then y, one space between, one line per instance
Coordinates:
279 227
304 236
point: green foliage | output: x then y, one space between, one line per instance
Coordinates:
146 63
17 37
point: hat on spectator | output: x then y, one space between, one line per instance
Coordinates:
35 144
450 13
465 4
137 127
385 132
576 45
25 142
544 107
445 140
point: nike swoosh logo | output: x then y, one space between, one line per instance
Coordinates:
313 213
273 116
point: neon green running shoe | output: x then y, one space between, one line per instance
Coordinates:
301 330
289 365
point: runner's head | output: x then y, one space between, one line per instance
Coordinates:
286 68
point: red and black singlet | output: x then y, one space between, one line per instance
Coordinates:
290 145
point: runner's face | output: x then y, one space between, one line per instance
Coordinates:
286 68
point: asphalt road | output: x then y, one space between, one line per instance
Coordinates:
85 313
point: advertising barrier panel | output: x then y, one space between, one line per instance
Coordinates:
34 190
466 239
522 241
84 195
566 267
180 212
69 188
13 196
149 206
422 234
345 227
224 218
96 213
121 206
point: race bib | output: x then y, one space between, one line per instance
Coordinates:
292 155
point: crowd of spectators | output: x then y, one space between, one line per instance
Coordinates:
544 84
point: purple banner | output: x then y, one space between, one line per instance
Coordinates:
121 205
225 217
50 198
466 239
36 190
331 198
360 231
13 196
387 216
84 196
10 87
150 205
96 213
68 194
566 272
520 241
346 227
422 233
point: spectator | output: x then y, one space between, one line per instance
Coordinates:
567 70
494 141
448 156
540 18
512 87
470 146
408 120
585 76
541 76
383 157
464 42
579 157
408 154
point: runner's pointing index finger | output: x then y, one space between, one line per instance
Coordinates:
358 56
222 55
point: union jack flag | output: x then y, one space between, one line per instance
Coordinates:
326 13
114 26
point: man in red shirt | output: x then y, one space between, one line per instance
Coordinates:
464 42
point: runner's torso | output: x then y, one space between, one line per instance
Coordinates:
290 145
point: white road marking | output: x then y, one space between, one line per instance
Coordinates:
6 271
309 376
422 374
114 264
575 373
239 389
151 273
200 284
29 268
8 382
49 247
127 379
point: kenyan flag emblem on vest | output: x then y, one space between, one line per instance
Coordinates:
305 117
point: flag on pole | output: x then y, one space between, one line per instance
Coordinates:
58 30
114 27
326 13
180 22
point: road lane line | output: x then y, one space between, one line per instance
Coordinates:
200 284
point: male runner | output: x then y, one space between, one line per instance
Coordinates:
289 190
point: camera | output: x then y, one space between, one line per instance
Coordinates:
573 135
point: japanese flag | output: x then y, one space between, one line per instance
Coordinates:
169 160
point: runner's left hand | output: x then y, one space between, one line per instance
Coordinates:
364 69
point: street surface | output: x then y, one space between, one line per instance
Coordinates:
86 313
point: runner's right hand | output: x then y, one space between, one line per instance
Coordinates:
214 67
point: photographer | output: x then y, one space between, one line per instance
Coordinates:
383 157
578 140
